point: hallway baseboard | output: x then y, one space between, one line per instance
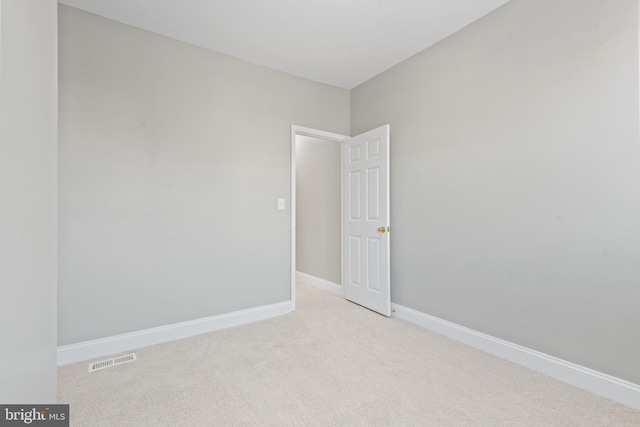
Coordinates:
334 288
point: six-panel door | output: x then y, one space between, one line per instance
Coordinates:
366 220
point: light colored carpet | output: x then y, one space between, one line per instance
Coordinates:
331 363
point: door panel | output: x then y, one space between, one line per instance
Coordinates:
366 220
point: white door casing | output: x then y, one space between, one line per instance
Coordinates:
365 216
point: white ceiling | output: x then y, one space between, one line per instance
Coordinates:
339 42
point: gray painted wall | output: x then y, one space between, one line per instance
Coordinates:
516 181
28 126
172 159
318 203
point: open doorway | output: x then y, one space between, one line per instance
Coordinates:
316 208
365 277
318 214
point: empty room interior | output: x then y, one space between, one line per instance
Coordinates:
180 183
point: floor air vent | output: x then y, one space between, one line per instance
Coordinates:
96 366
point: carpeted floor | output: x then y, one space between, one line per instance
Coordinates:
331 363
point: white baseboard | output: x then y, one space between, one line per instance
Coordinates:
604 385
334 288
115 344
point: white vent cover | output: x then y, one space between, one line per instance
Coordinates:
96 366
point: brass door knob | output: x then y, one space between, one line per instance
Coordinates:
382 229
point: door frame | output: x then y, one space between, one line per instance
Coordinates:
329 136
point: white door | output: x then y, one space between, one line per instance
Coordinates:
365 215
